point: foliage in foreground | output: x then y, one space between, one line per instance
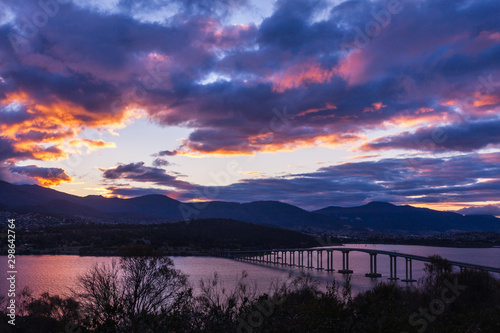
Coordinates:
146 294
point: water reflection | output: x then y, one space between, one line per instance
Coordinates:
57 274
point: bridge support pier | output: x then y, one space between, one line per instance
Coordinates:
329 261
301 258
319 260
409 277
310 259
373 267
345 263
393 268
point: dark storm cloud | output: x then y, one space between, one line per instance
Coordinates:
7 150
290 27
92 94
43 176
417 59
118 171
139 172
390 69
464 137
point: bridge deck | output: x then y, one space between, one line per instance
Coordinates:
371 251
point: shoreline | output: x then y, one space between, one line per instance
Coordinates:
210 252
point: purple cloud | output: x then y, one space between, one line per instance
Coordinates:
43 176
472 177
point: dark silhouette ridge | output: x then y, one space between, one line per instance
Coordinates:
374 216
386 216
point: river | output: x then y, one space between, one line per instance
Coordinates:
57 274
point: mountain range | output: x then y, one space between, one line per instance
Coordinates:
375 216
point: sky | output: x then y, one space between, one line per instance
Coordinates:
309 102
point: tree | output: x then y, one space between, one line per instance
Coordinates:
438 269
101 297
134 295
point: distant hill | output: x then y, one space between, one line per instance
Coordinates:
269 212
384 216
145 207
200 234
375 216
48 201
28 195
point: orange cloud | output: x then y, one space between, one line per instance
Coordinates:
453 206
249 173
299 75
54 123
319 140
51 182
44 176
327 107
449 102
48 130
195 152
359 157
375 107
91 144
424 110
222 37
411 121
48 154
482 100
269 143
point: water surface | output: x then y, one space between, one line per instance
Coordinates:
57 274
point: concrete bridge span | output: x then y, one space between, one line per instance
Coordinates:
304 258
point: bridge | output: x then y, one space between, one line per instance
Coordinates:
295 258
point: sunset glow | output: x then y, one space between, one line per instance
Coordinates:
314 109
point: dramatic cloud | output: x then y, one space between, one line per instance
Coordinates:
300 65
7 149
140 173
464 178
459 137
312 73
43 176
87 67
